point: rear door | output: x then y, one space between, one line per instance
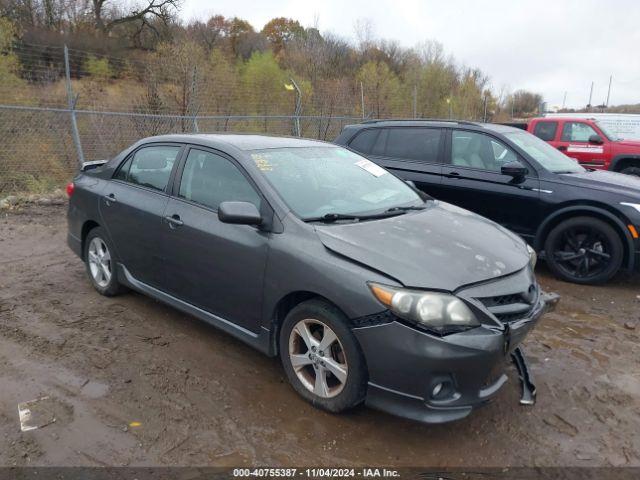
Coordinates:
132 206
472 180
574 142
215 266
547 130
411 153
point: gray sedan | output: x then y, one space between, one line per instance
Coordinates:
368 290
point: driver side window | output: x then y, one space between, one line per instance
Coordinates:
576 132
210 179
477 150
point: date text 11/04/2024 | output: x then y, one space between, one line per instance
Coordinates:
316 472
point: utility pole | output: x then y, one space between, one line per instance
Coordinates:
298 109
484 118
415 101
590 95
192 99
362 98
609 91
72 101
564 100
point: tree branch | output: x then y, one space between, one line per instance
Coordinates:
157 8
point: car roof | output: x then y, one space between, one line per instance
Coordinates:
239 141
436 122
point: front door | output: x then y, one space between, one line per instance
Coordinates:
215 266
472 180
132 206
574 142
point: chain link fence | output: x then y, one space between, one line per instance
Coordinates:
39 155
59 107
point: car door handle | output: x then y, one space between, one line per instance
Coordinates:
562 148
111 198
454 174
174 221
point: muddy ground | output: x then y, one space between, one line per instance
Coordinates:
200 397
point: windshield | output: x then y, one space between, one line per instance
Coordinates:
315 181
607 133
544 154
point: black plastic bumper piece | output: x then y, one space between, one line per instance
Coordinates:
528 396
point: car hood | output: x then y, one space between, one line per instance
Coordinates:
635 144
613 182
442 247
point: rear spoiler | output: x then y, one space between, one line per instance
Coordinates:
92 164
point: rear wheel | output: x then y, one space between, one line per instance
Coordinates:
631 171
584 250
100 263
322 358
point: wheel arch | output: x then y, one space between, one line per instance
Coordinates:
621 161
590 211
284 306
87 226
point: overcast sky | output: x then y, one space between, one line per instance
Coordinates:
550 47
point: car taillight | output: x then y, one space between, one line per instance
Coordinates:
70 188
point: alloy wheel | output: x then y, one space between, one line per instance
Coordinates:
582 252
99 262
318 358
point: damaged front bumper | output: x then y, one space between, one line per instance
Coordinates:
434 379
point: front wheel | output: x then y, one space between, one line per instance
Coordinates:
584 250
322 358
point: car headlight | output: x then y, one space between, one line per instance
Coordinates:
533 257
436 311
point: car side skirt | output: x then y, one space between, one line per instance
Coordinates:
260 340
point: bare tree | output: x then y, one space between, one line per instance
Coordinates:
107 15
210 33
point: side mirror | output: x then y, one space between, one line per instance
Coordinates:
514 169
239 213
410 183
596 139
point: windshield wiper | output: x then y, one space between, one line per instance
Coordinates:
334 217
405 209
331 217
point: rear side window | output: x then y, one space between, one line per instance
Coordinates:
370 142
576 132
364 141
210 179
419 144
546 130
149 167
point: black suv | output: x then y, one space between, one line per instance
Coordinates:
583 222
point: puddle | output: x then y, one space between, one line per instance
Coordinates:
95 389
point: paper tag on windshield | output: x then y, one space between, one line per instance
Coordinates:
371 167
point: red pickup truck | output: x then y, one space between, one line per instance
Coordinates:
588 142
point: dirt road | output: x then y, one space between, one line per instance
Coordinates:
130 381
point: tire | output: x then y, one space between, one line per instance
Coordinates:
576 239
631 171
98 255
343 355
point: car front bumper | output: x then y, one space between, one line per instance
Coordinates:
407 365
